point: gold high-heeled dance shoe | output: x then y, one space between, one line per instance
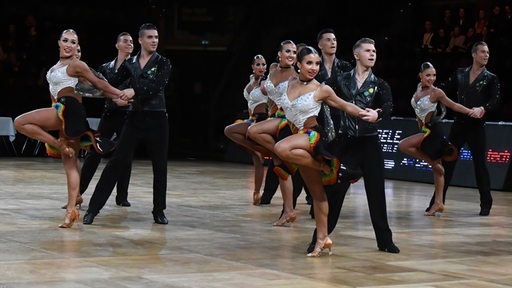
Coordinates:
70 218
320 246
79 201
256 198
285 219
437 208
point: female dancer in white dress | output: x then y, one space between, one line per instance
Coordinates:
430 145
268 132
67 115
257 108
307 147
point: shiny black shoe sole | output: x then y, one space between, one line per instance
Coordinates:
348 175
103 145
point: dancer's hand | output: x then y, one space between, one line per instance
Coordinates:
127 94
120 102
477 112
369 115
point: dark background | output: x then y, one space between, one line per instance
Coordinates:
211 44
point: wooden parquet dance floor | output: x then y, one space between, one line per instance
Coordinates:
217 238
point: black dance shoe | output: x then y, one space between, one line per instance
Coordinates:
390 248
348 175
123 203
160 218
104 145
89 218
484 212
485 208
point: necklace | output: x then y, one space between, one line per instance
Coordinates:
284 67
305 82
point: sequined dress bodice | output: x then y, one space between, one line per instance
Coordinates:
275 92
255 98
59 79
423 107
301 108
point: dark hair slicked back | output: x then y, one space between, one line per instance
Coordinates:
320 34
146 26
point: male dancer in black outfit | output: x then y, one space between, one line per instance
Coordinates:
359 142
474 86
331 65
148 73
111 123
